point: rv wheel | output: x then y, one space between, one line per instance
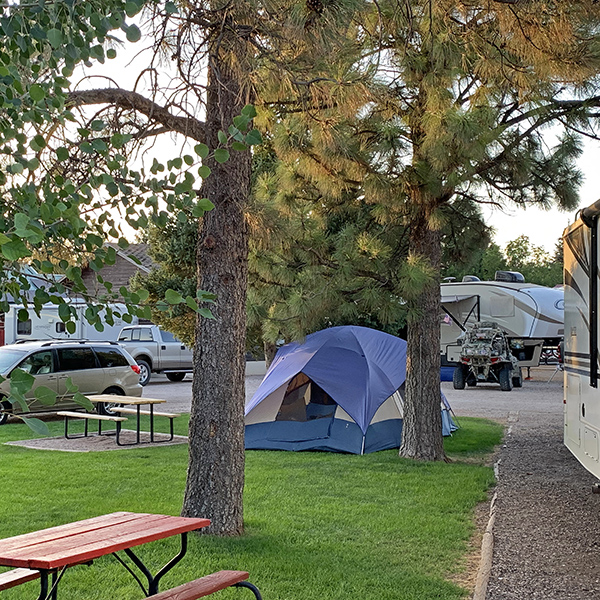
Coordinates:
458 378
518 379
505 378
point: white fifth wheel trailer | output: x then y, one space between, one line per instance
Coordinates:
48 325
531 315
581 394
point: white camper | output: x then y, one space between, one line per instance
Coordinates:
581 395
48 325
531 315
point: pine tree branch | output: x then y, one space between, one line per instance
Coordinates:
128 100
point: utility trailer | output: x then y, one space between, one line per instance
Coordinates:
532 316
581 395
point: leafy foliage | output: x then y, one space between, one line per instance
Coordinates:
68 180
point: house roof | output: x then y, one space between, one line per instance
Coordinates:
135 253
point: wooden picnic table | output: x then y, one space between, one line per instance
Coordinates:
133 401
52 551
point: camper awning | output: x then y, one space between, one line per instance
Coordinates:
454 299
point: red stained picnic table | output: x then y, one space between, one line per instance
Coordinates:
51 551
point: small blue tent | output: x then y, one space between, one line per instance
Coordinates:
341 390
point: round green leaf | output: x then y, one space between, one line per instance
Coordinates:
173 297
204 171
221 155
133 33
45 395
55 37
37 92
201 150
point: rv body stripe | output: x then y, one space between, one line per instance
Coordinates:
581 364
571 283
584 372
577 355
578 249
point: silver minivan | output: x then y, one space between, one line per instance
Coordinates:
66 366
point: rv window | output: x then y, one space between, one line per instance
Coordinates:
24 327
60 327
76 359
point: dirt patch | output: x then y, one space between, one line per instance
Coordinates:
99 443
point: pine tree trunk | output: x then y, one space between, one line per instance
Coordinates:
215 477
422 429
270 352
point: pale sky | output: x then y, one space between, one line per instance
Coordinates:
544 228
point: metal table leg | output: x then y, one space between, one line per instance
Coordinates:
153 580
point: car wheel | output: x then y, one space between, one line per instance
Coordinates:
518 379
4 412
458 378
145 371
175 376
106 408
505 378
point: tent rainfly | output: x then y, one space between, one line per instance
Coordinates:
340 391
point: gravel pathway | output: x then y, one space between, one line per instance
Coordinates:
546 518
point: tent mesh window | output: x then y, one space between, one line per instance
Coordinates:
304 400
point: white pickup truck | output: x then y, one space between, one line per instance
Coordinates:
156 351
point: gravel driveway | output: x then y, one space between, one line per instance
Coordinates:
546 518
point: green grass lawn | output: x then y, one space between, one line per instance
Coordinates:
318 526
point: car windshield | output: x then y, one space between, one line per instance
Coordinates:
9 357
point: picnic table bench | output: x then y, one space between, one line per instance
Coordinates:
151 413
47 554
15 577
207 585
67 414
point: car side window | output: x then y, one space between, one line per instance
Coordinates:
146 335
40 363
109 357
76 359
125 336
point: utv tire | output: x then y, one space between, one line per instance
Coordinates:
517 380
505 378
175 376
458 378
471 381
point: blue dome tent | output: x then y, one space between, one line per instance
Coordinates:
341 390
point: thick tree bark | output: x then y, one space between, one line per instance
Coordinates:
215 478
422 429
